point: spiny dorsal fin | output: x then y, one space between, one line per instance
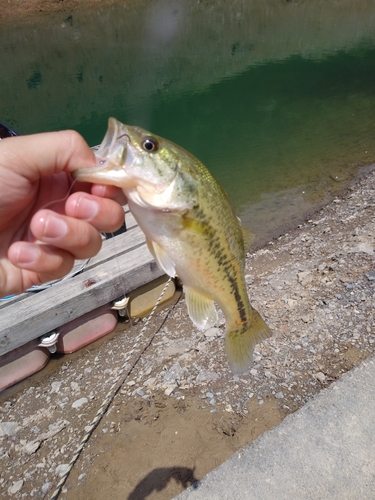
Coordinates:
248 238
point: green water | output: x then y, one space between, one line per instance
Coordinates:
276 98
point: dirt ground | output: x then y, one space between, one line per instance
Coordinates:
179 412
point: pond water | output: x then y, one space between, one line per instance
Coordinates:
277 98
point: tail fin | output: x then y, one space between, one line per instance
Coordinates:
240 343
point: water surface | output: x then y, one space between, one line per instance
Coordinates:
276 98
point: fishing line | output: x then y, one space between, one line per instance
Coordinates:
76 269
124 373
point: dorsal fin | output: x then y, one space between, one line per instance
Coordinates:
248 238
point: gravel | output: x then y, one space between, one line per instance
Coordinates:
314 286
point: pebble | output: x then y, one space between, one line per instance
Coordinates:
206 376
320 377
169 390
46 487
9 428
55 387
31 447
15 488
79 402
212 332
61 469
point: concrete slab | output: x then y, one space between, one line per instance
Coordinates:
325 450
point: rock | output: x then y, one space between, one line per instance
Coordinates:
151 383
304 277
320 377
364 247
206 376
173 375
212 332
53 430
31 447
279 395
9 428
55 387
79 402
249 279
169 390
74 386
15 488
46 487
61 469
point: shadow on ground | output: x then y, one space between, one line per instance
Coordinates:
158 479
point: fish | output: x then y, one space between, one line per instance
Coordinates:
190 228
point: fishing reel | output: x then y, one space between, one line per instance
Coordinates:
6 131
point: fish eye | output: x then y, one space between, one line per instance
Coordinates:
150 144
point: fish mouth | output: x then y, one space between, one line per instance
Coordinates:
112 157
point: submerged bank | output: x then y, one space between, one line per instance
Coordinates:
181 412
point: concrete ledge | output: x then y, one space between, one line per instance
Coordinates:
325 450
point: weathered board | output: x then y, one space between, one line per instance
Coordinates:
123 264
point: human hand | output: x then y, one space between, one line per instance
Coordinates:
42 231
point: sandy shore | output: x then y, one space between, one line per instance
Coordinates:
181 412
23 9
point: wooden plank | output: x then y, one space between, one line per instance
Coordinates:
118 245
121 243
48 309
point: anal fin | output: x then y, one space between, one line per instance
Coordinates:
201 309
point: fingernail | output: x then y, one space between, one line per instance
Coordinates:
86 208
54 227
28 254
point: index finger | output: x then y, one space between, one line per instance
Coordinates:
40 155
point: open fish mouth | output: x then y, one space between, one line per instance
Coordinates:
113 155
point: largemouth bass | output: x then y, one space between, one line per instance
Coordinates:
190 228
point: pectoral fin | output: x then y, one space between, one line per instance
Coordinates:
162 258
240 343
201 309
